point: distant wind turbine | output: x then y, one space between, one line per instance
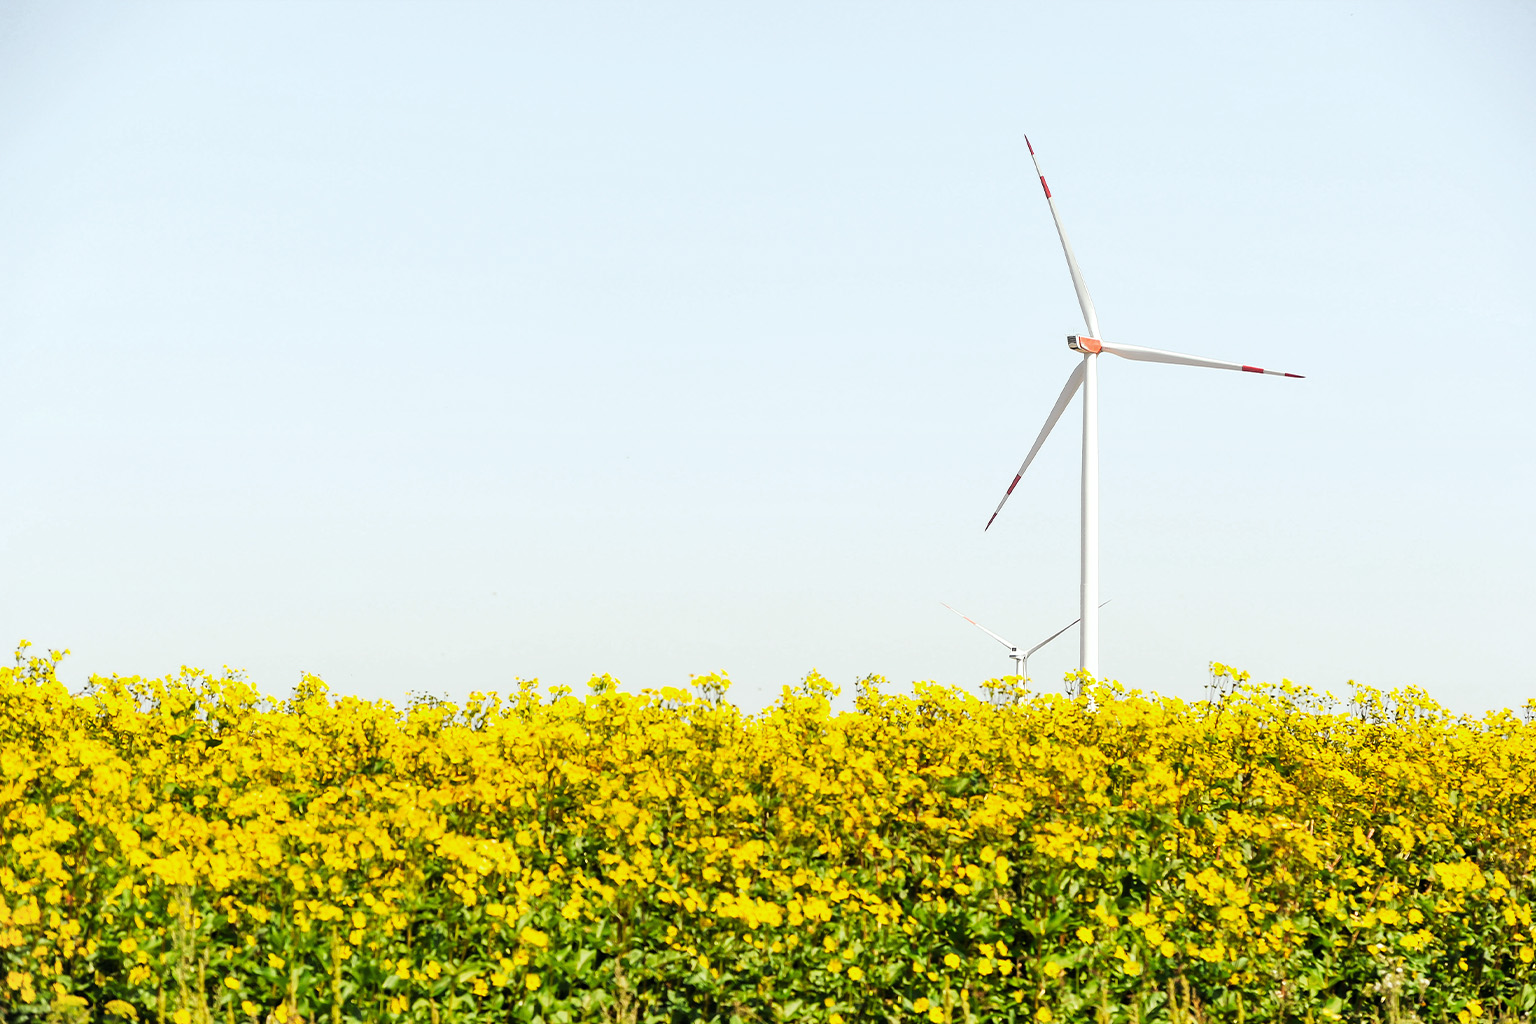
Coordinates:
1020 659
1086 375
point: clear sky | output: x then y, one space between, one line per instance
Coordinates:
427 346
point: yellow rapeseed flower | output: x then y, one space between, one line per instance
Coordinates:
325 840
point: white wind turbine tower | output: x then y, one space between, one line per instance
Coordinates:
1086 375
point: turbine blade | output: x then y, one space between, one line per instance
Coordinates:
1084 300
1056 634
979 626
1157 355
1073 383
1053 636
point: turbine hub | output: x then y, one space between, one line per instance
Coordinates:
1083 343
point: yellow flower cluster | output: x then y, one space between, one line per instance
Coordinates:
187 850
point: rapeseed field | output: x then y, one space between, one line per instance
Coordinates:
187 850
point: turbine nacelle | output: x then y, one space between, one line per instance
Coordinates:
1083 343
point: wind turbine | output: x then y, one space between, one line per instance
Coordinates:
1086 376
1020 661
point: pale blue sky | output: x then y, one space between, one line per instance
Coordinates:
427 346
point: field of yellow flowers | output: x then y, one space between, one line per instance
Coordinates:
187 850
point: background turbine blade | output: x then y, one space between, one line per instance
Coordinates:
1053 636
979 626
1056 634
1073 383
1084 300
1157 355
